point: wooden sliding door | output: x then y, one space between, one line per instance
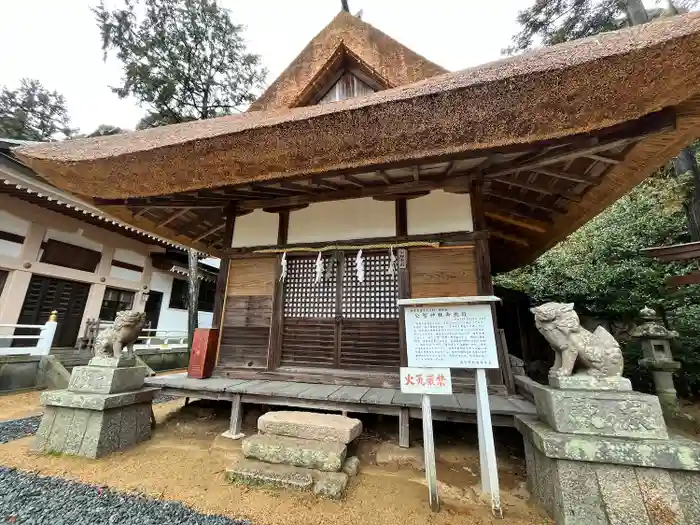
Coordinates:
340 322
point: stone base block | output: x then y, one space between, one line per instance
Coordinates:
310 425
331 484
113 362
586 382
294 451
68 399
92 433
601 413
106 379
621 481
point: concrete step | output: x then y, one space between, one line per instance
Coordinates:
259 474
298 452
310 425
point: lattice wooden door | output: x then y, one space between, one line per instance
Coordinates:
340 322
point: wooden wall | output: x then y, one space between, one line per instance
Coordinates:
245 327
441 272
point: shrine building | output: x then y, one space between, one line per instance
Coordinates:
366 173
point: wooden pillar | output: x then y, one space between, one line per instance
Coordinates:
484 280
274 350
230 213
192 294
404 283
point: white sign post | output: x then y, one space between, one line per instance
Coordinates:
454 332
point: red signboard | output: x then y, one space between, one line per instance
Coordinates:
203 354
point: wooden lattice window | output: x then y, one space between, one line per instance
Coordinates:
374 298
303 296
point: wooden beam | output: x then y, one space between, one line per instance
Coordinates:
209 232
140 212
521 223
296 186
172 217
222 277
382 175
328 185
601 158
537 188
681 280
367 191
415 173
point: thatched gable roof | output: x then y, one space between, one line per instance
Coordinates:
632 95
389 62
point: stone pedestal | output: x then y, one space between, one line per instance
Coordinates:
105 408
605 458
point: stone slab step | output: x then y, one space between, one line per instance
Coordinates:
259 474
298 452
310 425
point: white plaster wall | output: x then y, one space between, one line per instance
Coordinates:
129 256
339 220
255 229
172 318
13 224
439 212
213 261
75 238
124 273
10 249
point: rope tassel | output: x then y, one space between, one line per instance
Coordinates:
360 267
283 273
392 263
319 268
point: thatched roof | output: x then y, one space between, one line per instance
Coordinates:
389 62
601 90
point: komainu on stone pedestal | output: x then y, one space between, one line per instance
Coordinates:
123 333
596 354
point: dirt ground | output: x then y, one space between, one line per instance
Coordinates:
186 460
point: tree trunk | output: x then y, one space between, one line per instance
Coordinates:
344 5
636 12
192 294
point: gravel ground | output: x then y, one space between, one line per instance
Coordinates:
18 428
28 499
162 398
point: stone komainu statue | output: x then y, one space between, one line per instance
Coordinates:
597 353
123 333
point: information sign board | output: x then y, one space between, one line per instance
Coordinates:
450 335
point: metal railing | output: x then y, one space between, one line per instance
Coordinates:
44 337
149 338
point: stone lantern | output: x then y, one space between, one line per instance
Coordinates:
656 348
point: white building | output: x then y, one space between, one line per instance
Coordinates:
58 252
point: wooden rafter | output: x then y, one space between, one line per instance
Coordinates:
536 187
602 158
524 202
354 181
508 237
563 175
382 175
415 173
528 224
140 212
210 231
172 217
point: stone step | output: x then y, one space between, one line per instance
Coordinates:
259 474
298 452
310 425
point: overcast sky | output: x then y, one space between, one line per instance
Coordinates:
58 43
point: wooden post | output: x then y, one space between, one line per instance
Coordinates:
234 428
404 423
230 213
192 294
274 350
484 280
